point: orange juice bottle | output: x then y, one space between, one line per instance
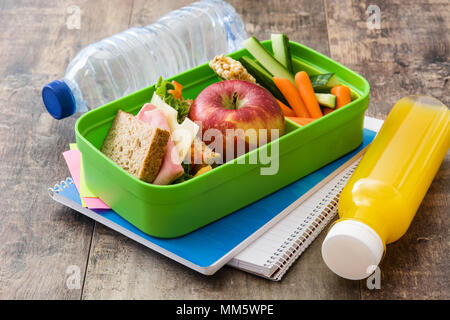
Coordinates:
381 198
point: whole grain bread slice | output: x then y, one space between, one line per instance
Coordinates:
135 146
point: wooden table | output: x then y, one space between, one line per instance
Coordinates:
40 239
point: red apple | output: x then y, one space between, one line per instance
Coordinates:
237 104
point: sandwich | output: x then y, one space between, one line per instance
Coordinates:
136 146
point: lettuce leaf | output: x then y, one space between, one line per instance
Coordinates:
183 178
186 175
181 106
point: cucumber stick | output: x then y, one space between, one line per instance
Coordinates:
263 77
281 50
324 82
267 60
326 100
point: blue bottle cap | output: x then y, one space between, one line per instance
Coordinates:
58 99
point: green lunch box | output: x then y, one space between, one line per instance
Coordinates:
174 210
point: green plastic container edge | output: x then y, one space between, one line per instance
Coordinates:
346 121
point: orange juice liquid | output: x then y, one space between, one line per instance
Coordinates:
391 180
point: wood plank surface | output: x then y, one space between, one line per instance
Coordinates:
40 239
408 55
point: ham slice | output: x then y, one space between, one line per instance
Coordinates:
171 168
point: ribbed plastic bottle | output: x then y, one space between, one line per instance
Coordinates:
381 198
136 58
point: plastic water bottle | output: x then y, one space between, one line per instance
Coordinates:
134 59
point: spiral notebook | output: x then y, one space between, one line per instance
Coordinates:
264 238
272 254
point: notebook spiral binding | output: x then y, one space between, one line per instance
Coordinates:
59 187
316 221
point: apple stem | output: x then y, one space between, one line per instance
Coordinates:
235 97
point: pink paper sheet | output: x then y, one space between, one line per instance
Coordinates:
73 159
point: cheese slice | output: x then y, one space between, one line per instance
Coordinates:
182 134
170 113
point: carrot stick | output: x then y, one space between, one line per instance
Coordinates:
292 96
177 91
307 93
287 112
301 121
343 95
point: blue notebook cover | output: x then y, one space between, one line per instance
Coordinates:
207 249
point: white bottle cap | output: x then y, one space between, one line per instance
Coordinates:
352 249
